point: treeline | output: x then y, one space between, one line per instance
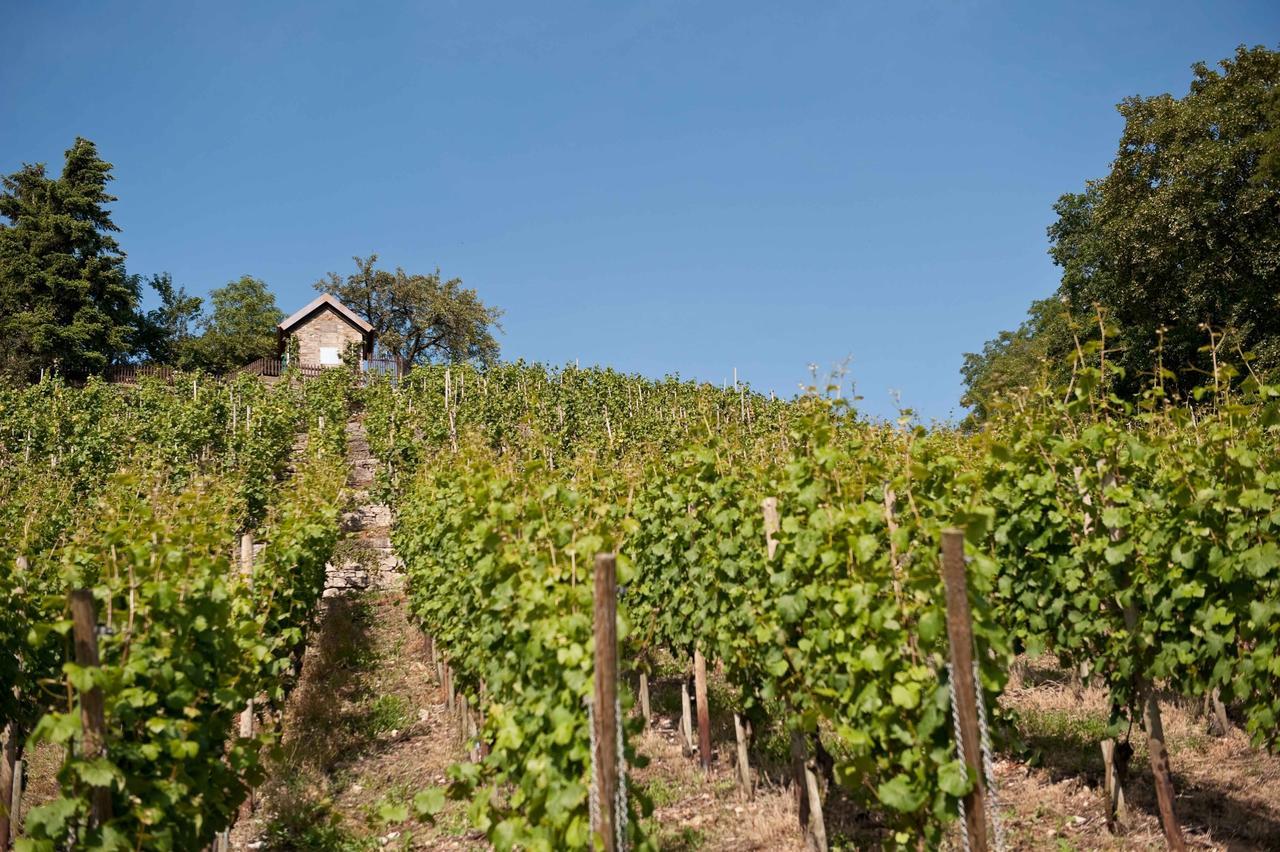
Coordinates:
69 305
1171 262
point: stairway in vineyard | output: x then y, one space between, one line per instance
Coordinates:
367 727
366 561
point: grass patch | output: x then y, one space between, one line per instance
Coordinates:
1062 741
671 839
301 820
387 713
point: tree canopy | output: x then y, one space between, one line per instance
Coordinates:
1179 240
418 318
240 328
66 302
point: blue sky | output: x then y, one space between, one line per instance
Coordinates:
661 187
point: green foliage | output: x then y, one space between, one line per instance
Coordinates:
1181 236
240 329
1139 541
66 303
142 492
167 332
1039 352
845 622
418 318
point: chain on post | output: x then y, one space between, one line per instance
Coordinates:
593 789
955 720
988 765
620 802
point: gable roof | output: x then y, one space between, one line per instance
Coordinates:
323 300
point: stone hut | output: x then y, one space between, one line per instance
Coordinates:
324 329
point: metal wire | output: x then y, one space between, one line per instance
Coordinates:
620 815
620 803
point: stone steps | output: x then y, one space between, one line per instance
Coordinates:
369 525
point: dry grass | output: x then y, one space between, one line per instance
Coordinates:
1227 792
693 810
366 728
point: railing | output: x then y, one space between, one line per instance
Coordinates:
275 367
130 374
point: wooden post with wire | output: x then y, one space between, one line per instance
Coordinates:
965 688
84 630
249 804
704 712
606 697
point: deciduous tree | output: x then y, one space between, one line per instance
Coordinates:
240 329
418 318
1180 238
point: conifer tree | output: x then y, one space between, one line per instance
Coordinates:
66 302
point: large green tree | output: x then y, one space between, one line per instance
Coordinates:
240 328
66 302
418 317
1180 240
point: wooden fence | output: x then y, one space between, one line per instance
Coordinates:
131 374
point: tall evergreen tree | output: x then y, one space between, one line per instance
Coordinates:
66 302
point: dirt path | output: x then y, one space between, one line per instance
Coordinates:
366 728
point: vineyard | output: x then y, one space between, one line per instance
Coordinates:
168 546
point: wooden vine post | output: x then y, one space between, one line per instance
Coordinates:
1115 763
704 712
804 770
605 760
10 783
686 716
246 715
965 689
1159 753
84 626
10 764
645 710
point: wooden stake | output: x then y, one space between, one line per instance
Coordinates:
606 696
686 723
92 715
1220 724
800 784
1113 775
644 700
771 525
8 766
246 715
246 554
15 800
960 632
817 836
741 734
704 712
1160 770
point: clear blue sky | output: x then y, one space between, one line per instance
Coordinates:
661 187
